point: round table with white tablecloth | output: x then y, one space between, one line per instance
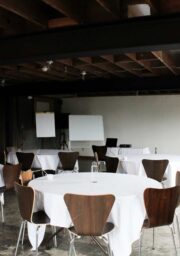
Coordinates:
128 211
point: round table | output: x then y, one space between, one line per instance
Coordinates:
128 211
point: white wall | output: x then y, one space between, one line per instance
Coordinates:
142 121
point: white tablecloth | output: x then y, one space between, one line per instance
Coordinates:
126 151
127 213
134 163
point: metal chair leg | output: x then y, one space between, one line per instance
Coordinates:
173 239
71 246
109 248
178 227
2 206
54 237
19 238
37 229
153 238
140 242
23 232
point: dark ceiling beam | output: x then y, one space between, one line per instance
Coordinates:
133 35
29 10
97 87
110 6
69 8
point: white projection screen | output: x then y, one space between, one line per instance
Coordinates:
86 128
45 125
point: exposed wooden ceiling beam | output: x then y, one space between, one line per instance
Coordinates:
69 8
166 59
152 34
122 65
110 6
29 10
61 22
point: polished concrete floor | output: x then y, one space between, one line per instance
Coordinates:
9 233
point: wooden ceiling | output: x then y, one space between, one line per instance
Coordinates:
23 21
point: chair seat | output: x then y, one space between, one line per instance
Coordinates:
108 228
40 217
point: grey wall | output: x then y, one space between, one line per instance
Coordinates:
143 121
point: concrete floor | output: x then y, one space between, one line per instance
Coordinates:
9 233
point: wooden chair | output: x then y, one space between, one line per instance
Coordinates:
28 172
2 157
155 169
68 160
10 175
26 197
176 214
89 216
160 207
100 151
111 164
111 142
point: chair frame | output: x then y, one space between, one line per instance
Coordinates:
160 207
69 156
97 208
26 211
111 164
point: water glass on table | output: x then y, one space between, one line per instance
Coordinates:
94 171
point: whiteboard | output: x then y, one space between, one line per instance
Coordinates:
45 125
86 128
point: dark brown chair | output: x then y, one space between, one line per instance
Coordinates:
160 207
68 160
111 164
25 196
100 151
89 216
2 157
111 142
155 169
10 175
26 160
176 214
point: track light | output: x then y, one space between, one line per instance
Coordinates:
47 66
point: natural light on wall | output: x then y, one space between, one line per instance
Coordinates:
137 10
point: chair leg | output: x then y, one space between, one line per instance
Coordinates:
54 237
2 206
178 227
153 238
71 246
173 239
109 248
19 237
23 232
140 242
37 230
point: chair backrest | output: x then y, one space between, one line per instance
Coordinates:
160 205
25 159
89 213
111 164
11 174
101 152
111 142
2 157
25 196
155 169
68 159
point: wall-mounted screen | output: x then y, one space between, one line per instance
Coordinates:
86 128
45 125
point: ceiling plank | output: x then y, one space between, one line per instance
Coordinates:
166 59
110 6
68 7
152 34
61 22
29 10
